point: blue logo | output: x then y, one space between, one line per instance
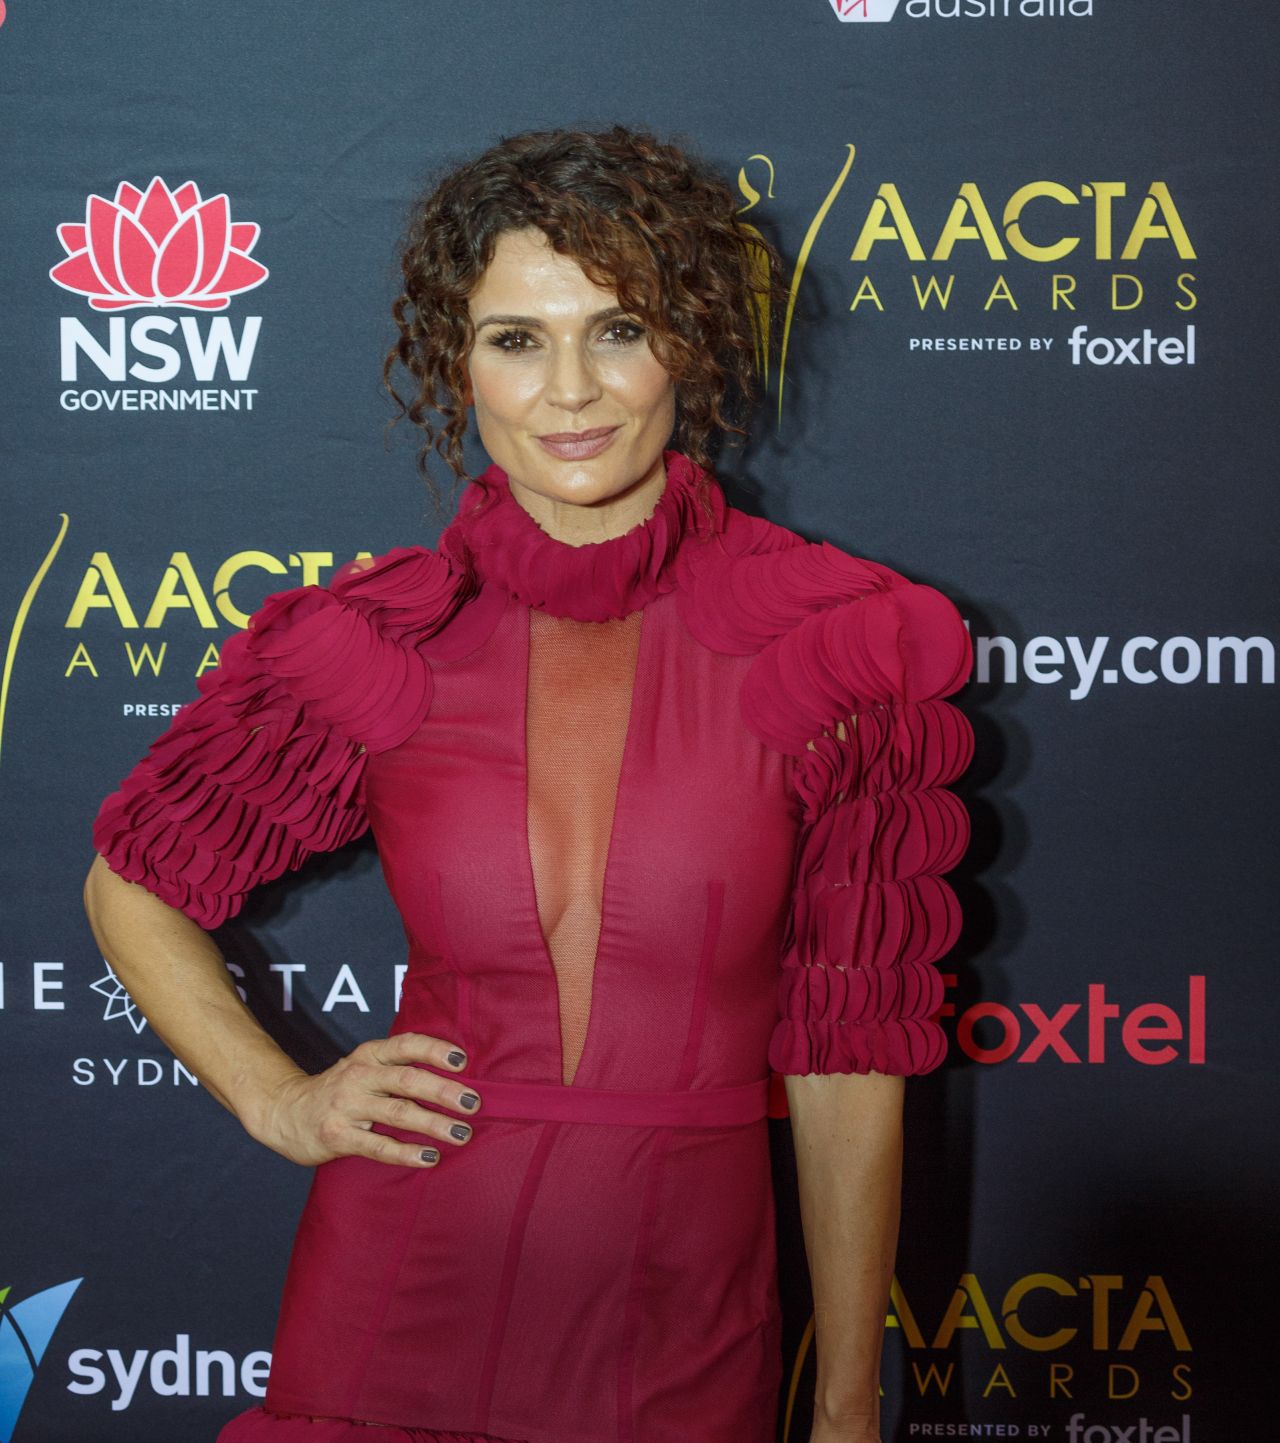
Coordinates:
25 1330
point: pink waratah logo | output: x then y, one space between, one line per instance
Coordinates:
873 10
158 248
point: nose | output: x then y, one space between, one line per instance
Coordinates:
572 382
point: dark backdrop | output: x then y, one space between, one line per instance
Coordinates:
1090 1191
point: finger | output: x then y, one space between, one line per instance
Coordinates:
419 1047
381 1148
409 1081
401 1112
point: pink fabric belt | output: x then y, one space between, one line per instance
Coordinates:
554 1102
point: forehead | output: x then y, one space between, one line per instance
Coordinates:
526 274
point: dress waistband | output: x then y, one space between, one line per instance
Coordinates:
556 1102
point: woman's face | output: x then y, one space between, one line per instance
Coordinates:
555 356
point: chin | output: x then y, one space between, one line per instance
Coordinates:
582 482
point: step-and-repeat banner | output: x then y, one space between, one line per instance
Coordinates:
1030 359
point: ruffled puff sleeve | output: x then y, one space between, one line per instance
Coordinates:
854 692
265 767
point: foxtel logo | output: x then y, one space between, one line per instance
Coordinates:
1149 1033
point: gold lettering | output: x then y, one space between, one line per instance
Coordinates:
231 568
1155 1295
999 1379
1147 228
1034 1282
1063 289
969 202
1103 192
169 598
1013 221
901 1316
933 289
1000 292
1115 295
968 1290
931 1375
101 571
887 202
1112 1370
866 292
146 655
1102 1286
80 657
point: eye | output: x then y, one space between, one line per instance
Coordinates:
632 333
504 340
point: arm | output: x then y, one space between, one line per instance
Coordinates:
848 1141
853 662
178 979
263 770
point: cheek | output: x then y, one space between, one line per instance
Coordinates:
503 389
641 381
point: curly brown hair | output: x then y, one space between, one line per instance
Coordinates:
645 218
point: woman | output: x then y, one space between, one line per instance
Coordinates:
658 790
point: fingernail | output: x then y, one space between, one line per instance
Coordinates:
456 1059
429 1154
460 1130
469 1099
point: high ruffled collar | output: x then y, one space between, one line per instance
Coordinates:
496 537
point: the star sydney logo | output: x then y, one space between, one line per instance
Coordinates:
119 1003
25 1330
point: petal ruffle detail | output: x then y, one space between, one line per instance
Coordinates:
739 604
852 663
262 1425
266 767
902 645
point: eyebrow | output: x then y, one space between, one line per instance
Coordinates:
534 321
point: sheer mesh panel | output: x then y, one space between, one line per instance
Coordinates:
579 702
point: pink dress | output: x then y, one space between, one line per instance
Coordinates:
640 866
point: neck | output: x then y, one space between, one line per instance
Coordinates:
580 525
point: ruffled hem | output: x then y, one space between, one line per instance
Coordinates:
901 1048
263 1425
266 767
495 536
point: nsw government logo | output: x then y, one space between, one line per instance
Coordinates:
158 250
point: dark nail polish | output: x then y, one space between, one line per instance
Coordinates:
456 1059
469 1099
460 1130
429 1154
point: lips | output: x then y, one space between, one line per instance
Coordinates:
579 435
578 445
